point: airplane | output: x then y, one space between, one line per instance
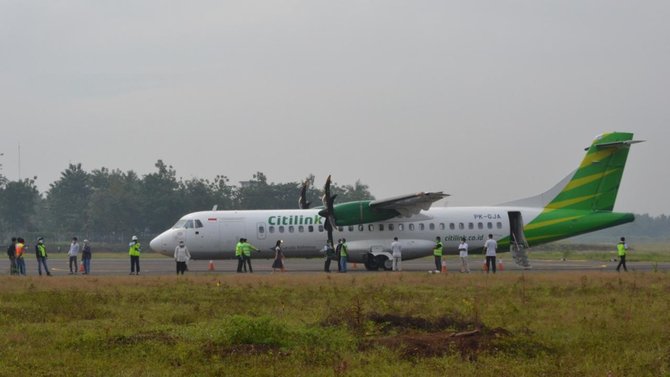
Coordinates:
582 202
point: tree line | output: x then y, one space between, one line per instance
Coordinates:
111 205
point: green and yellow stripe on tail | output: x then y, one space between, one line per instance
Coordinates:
585 203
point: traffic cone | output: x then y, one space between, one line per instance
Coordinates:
444 266
81 266
484 267
211 265
501 267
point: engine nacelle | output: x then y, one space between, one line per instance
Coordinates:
354 213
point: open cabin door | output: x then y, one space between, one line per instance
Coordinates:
518 243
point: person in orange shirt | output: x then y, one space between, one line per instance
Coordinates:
20 250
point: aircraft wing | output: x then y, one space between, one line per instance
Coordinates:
408 205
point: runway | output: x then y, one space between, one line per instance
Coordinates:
159 265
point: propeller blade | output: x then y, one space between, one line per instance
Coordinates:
302 201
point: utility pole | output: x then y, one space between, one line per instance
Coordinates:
19 161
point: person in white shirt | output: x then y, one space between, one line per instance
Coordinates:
490 246
463 253
396 250
72 253
181 256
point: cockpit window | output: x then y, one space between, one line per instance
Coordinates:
179 224
198 224
189 224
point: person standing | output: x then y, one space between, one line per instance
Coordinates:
622 249
181 256
490 247
20 262
329 252
246 252
463 254
240 256
11 253
396 253
41 254
72 253
338 254
437 253
134 250
279 258
344 255
86 257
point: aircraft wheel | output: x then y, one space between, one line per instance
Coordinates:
371 263
384 262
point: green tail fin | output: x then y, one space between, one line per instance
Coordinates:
595 184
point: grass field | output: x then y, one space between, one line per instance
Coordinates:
385 324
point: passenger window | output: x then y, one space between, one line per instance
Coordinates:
442 227
371 227
431 226
351 228
489 225
291 229
411 226
189 224
390 226
281 229
261 229
310 228
381 227
422 226
480 225
341 229
198 224
401 227
271 229
471 226
452 226
461 226
361 228
499 225
320 228
301 229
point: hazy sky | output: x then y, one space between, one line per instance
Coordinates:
486 100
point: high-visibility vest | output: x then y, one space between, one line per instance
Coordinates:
437 251
238 249
246 249
19 250
344 250
134 250
41 250
621 249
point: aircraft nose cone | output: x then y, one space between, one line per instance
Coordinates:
155 244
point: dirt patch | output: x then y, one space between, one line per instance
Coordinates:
467 344
388 322
414 337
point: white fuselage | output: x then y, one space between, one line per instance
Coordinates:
214 234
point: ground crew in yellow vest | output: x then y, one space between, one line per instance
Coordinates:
437 253
41 253
246 251
240 256
622 249
344 255
134 249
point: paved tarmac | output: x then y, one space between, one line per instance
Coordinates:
157 265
